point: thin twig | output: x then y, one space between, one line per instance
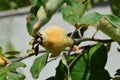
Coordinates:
53 59
94 34
71 36
97 40
84 48
80 35
71 63
87 46
28 55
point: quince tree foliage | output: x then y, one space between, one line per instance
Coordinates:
84 63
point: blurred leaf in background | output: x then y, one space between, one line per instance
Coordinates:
13 4
10 72
115 7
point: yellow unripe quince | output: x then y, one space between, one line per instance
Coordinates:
55 40
3 61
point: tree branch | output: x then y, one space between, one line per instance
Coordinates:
75 59
42 51
96 40
69 50
71 36
28 55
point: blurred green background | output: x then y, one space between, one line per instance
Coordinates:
13 4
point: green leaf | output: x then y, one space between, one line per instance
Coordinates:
14 65
115 7
15 76
2 69
12 52
94 17
3 76
38 3
80 69
77 70
41 13
108 46
3 73
95 55
110 24
106 23
32 19
13 4
31 42
61 71
72 13
89 66
91 18
1 51
100 75
38 65
51 78
64 61
98 59
11 73
114 20
30 51
68 2
11 57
